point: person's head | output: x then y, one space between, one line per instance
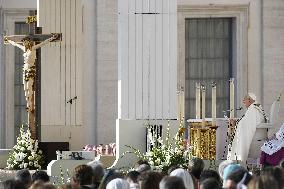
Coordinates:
98 171
24 176
210 183
118 183
12 184
206 174
249 99
276 172
171 182
240 176
141 162
42 185
185 176
281 164
230 169
132 176
150 180
223 165
143 168
83 175
28 43
263 182
195 167
109 176
68 186
40 175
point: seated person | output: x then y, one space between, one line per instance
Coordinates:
272 151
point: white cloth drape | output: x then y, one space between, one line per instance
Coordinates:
118 183
186 177
245 132
275 144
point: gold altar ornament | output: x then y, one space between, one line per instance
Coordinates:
203 140
31 19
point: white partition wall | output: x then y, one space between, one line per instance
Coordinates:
61 72
61 62
147 59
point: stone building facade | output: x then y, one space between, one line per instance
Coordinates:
104 38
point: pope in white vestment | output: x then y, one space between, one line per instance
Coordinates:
245 129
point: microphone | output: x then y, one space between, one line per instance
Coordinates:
239 108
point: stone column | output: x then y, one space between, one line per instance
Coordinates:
89 47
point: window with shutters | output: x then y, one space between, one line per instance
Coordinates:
208 58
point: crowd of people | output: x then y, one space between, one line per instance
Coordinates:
230 175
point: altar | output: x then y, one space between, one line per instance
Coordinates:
216 138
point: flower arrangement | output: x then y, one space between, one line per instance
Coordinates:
101 149
167 153
25 154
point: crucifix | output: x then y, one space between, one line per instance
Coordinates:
29 44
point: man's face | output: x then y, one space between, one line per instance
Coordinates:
229 184
247 101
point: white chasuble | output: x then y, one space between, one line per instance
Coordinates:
244 133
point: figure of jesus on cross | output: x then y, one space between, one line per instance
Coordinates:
29 44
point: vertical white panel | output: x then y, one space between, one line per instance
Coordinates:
173 59
165 60
63 62
58 63
68 61
41 13
78 63
139 63
131 60
154 39
55 75
72 61
159 60
46 78
152 6
123 44
146 6
146 64
152 68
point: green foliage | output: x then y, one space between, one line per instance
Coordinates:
25 154
165 153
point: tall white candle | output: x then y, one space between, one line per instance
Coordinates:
182 103
203 90
232 98
197 101
180 98
214 103
178 104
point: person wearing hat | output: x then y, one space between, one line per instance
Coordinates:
245 127
272 151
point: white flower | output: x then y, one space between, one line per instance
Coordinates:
33 153
30 158
31 163
25 165
30 147
17 157
23 149
158 161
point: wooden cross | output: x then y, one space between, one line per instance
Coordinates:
30 45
